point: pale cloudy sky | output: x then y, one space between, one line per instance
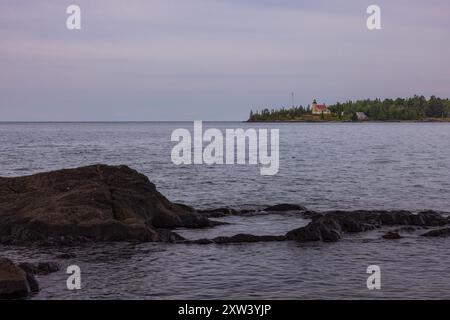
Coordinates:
213 59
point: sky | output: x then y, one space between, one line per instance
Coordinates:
171 60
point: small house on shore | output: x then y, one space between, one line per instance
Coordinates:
319 108
361 116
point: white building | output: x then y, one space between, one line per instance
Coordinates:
319 108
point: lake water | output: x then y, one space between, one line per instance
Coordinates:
322 166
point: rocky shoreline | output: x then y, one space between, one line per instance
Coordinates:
115 203
18 280
93 203
332 226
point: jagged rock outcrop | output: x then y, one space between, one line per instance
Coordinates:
331 226
98 203
15 282
116 203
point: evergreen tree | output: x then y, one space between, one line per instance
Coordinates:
414 108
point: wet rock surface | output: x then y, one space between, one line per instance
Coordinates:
93 203
445 232
15 282
282 207
277 209
392 235
66 256
239 238
40 268
116 203
224 212
331 226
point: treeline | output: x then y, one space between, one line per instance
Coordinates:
279 114
414 108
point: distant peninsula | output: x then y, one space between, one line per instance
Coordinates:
416 108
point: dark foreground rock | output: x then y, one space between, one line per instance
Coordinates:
14 281
93 203
116 203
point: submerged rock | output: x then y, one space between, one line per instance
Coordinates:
93 203
278 208
424 218
285 207
224 212
66 256
218 212
407 229
333 225
392 235
201 241
14 281
239 238
40 268
445 232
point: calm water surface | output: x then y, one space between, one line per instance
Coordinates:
323 166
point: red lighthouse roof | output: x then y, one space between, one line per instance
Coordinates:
321 106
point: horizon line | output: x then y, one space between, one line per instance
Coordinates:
111 121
